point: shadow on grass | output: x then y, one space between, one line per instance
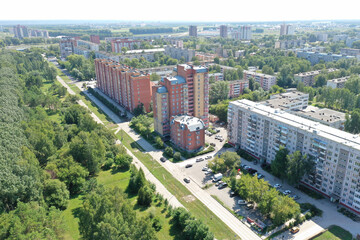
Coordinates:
140 208
176 231
115 170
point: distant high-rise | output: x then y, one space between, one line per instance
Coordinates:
243 33
1 29
192 31
21 31
95 39
286 29
223 31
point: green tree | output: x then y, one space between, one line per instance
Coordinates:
159 142
177 156
169 151
56 194
251 83
145 196
353 84
280 163
298 166
352 123
267 70
124 50
219 91
154 77
320 80
356 45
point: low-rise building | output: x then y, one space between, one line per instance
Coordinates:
236 88
286 44
308 78
118 44
239 53
265 81
178 53
316 57
325 116
350 51
288 101
337 82
216 76
95 39
187 133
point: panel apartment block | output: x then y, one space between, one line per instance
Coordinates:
261 130
265 81
127 86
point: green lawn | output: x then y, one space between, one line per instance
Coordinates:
121 180
335 233
197 208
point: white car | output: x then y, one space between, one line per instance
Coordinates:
277 186
286 192
205 168
242 202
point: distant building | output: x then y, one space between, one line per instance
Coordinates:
286 29
67 45
21 31
118 44
286 44
126 86
340 37
265 81
185 93
1 29
337 82
239 53
243 33
236 88
315 57
350 52
95 39
308 78
178 53
322 37
85 48
288 101
187 133
217 76
223 31
192 31
38 33
350 40
325 116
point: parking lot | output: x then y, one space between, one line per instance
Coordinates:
211 139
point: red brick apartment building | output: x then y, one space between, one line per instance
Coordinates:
95 39
127 86
185 93
187 132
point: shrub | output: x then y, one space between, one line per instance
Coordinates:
157 224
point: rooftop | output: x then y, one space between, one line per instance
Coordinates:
162 89
258 74
176 79
339 80
321 130
322 114
192 123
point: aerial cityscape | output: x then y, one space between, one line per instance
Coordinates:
130 121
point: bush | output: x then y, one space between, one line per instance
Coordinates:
169 152
108 164
159 143
123 161
157 224
177 156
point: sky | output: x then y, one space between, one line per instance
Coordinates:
182 10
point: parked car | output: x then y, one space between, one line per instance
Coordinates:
260 176
209 171
188 165
223 185
277 186
199 159
217 130
294 230
187 180
212 144
232 193
208 157
249 206
295 197
163 159
241 202
243 166
286 192
221 139
205 168
218 183
252 171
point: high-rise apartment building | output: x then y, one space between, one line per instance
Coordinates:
192 31
127 86
286 29
236 88
243 33
95 39
185 93
67 46
265 81
21 31
261 130
223 31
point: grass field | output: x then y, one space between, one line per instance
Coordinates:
334 233
120 179
197 208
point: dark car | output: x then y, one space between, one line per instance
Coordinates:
188 166
252 171
232 193
187 180
163 159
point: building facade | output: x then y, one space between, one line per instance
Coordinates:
243 33
289 101
265 81
187 133
261 130
95 39
67 45
286 29
118 44
316 57
185 93
126 86
236 88
337 82
178 53
21 31
192 31
308 78
223 31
